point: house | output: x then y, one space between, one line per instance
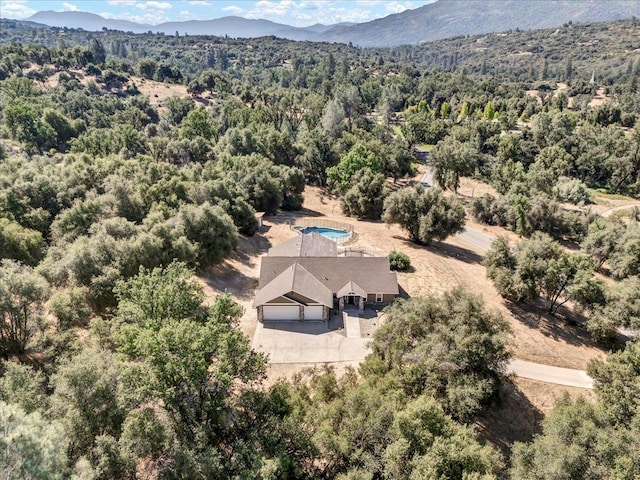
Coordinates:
305 279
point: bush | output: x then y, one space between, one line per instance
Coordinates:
399 261
572 191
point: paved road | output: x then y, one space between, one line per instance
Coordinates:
476 238
549 374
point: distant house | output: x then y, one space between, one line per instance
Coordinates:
305 279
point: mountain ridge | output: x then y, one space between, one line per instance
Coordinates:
434 21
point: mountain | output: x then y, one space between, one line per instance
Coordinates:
87 21
232 26
438 20
450 18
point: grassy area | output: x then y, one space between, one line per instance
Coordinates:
599 192
625 213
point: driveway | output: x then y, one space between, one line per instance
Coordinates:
307 342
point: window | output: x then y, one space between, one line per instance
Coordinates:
379 297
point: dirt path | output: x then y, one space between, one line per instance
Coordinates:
630 206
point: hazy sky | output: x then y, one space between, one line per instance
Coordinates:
291 12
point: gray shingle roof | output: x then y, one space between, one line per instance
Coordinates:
293 278
306 245
372 274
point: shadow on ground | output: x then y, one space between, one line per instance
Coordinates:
453 251
565 325
515 419
288 216
444 250
335 324
225 278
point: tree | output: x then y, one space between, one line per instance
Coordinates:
351 164
198 123
450 347
602 240
19 243
620 308
425 214
22 296
23 386
31 446
178 108
451 159
617 384
583 440
193 358
86 389
211 230
365 198
539 267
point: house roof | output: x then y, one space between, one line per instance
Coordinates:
306 245
350 288
371 274
293 278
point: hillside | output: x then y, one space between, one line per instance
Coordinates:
441 19
450 18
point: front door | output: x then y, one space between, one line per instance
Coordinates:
351 299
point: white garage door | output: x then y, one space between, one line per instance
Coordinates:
280 312
313 312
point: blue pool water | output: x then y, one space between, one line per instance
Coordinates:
327 232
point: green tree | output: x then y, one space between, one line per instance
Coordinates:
450 159
426 214
86 389
195 360
22 296
365 198
23 386
464 376
198 123
19 243
617 384
31 446
351 165
539 267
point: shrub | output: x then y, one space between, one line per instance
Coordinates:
572 191
399 261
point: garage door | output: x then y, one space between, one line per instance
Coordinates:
280 312
313 312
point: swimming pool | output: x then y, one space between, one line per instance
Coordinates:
327 232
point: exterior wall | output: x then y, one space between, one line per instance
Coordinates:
326 312
259 313
386 298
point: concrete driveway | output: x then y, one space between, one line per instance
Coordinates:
307 342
